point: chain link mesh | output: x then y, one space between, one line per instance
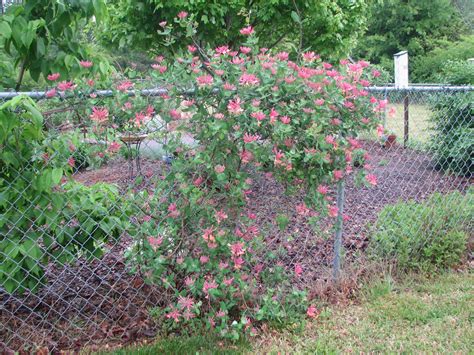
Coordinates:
427 147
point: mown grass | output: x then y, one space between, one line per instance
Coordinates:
419 314
419 126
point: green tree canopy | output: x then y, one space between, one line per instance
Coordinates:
41 36
329 27
414 25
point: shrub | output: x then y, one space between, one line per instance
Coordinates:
457 72
251 112
454 133
43 217
426 68
432 233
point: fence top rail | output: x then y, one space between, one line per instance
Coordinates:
422 88
5 95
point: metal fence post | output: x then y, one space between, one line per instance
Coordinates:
339 229
406 103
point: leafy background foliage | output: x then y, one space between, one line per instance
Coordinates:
327 26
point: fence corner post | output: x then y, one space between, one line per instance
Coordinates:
339 229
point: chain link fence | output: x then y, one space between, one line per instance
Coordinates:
84 293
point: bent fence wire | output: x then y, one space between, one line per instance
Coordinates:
427 147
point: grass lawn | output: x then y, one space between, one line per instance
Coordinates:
417 315
418 123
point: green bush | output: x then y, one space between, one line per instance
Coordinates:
457 72
431 234
452 142
43 217
426 68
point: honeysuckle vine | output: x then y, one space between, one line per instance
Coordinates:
232 115
252 112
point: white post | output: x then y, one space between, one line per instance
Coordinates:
401 82
401 69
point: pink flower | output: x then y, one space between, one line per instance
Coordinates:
380 130
204 80
209 285
323 189
237 249
162 23
234 106
228 281
375 73
282 56
245 50
298 270
175 114
188 281
327 65
86 63
220 216
53 77
309 56
330 140
289 79
185 302
338 174
371 179
247 31
229 87
285 119
173 211
192 49
222 50
319 102
312 311
259 116
256 103
273 115
333 211
182 15
355 144
71 162
238 262
249 138
302 209
204 259
155 242
124 86
219 169
198 181
392 112
174 314
65 85
99 114
160 68
373 100
50 93
249 80
114 147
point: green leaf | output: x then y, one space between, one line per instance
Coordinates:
295 17
40 47
5 30
56 175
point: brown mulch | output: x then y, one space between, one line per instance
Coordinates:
102 302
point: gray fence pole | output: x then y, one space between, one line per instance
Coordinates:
339 228
406 103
